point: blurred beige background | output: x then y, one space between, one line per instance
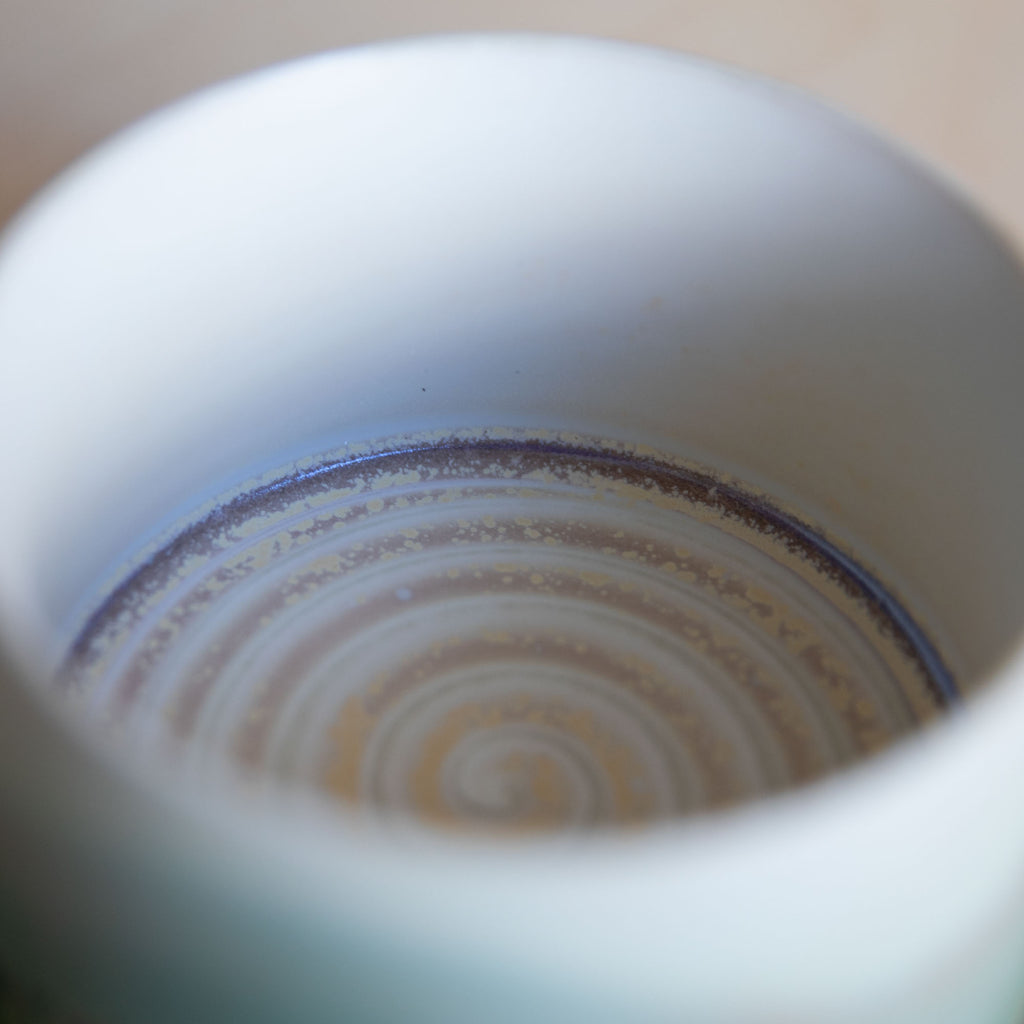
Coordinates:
945 76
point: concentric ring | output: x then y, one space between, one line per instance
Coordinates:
507 632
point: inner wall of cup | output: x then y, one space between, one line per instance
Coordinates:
358 249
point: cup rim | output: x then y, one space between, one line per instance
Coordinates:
711 843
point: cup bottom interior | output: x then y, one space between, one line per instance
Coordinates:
507 631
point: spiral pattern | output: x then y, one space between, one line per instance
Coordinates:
508 633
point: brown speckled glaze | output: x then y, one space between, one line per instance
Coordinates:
506 632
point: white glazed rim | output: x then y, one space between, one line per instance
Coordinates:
545 906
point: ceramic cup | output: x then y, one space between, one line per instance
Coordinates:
546 233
